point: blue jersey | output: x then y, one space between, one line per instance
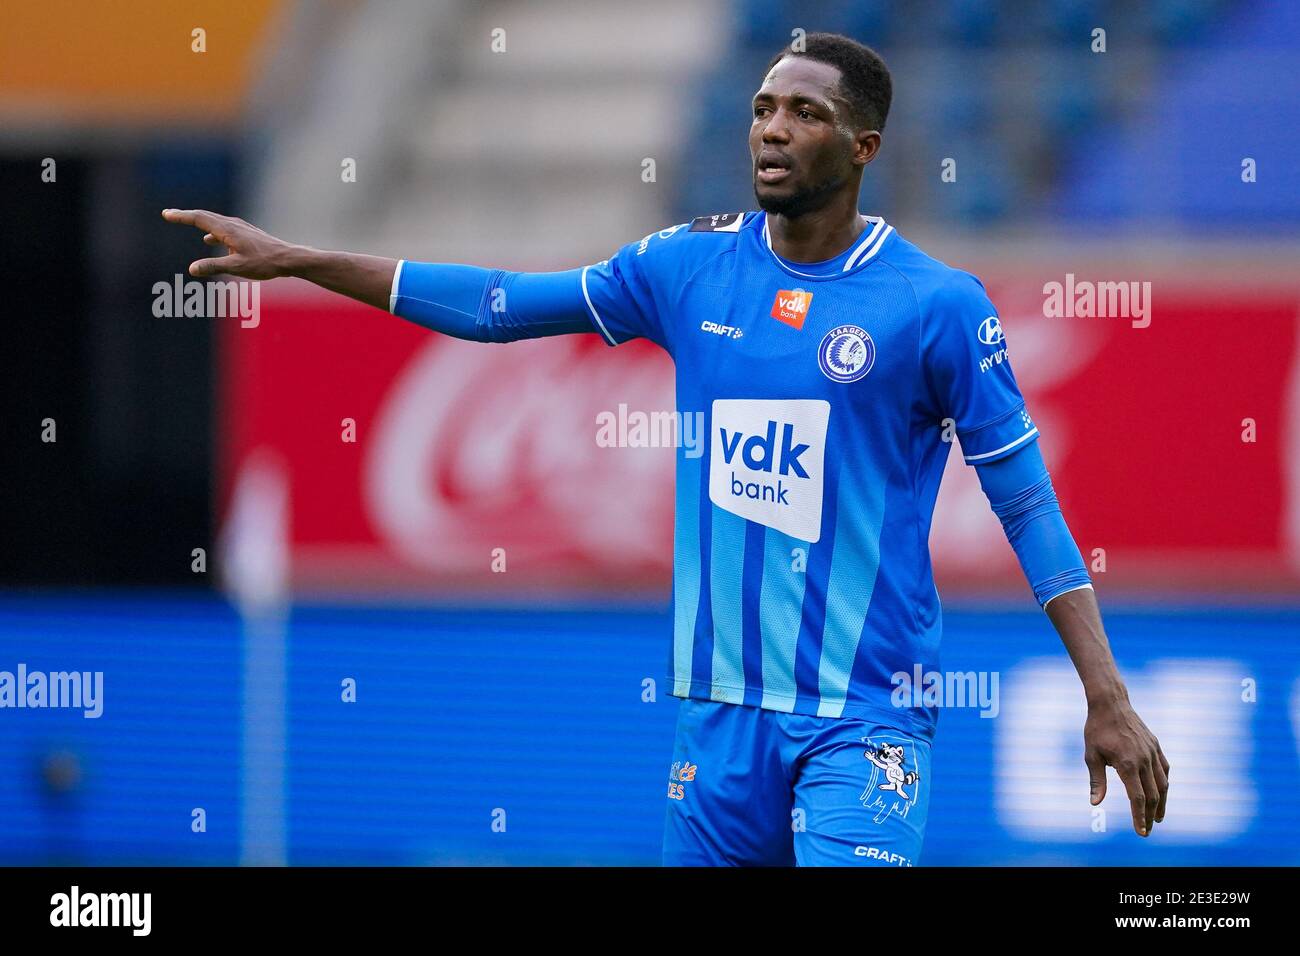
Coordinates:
830 392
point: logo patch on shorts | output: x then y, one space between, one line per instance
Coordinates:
846 353
895 780
682 773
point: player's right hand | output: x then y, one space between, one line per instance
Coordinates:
253 254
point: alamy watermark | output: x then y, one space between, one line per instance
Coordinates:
80 690
1083 299
75 908
922 688
656 429
192 299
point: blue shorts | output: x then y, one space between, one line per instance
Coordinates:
754 787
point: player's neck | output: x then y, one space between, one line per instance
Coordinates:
816 236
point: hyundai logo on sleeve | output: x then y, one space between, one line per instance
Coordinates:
991 331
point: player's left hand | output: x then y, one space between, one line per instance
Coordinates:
1115 735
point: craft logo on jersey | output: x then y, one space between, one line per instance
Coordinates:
766 462
895 778
791 306
846 353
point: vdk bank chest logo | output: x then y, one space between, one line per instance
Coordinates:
791 307
766 462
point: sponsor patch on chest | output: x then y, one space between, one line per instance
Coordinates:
791 307
766 462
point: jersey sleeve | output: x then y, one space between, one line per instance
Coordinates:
489 305
1020 492
625 292
969 373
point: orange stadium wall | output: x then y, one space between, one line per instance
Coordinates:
128 62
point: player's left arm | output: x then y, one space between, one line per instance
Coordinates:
1114 734
971 385
1020 492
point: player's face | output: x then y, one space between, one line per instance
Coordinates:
801 140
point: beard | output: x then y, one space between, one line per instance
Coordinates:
800 202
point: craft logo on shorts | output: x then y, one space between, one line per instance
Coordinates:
846 353
888 857
791 306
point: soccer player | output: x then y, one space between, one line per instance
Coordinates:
832 360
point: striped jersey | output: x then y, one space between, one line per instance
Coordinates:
830 393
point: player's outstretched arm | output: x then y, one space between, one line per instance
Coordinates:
468 302
254 254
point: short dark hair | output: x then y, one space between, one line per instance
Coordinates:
864 78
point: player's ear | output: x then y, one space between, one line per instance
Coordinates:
866 146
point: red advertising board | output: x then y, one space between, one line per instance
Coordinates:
422 464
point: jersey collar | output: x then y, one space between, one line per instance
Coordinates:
868 246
